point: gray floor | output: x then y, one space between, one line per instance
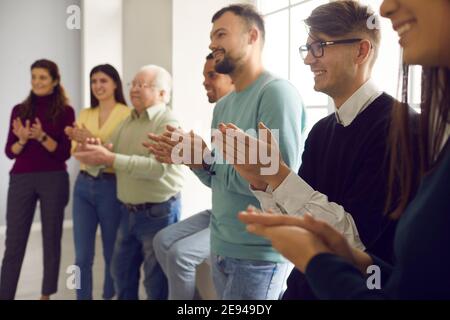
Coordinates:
29 287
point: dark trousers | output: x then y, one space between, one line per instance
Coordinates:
52 191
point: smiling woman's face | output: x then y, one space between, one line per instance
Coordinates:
423 27
42 83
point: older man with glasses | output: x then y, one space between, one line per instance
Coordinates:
149 190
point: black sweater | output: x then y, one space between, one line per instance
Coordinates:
349 165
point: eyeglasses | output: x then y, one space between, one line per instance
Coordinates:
139 85
316 47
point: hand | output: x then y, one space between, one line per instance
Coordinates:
327 239
93 153
297 244
69 131
81 134
95 142
20 131
160 149
36 131
176 146
256 160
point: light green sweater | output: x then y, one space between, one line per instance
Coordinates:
277 103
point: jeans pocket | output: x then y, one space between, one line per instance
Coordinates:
154 219
160 210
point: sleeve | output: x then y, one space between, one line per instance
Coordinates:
281 110
386 268
333 278
11 137
142 167
267 199
306 199
62 152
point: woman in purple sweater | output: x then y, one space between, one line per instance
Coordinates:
37 143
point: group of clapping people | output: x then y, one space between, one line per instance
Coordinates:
369 187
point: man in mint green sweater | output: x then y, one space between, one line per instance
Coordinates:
244 266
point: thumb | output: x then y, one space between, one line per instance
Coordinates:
170 128
38 122
27 124
222 127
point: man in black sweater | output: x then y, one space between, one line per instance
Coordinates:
343 176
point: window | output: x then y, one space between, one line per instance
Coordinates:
286 31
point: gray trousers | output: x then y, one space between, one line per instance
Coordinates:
52 191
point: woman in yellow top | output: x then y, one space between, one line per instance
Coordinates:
94 198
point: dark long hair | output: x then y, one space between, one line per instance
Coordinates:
114 75
415 145
58 99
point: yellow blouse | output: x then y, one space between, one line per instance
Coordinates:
90 118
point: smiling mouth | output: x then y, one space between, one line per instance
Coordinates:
318 73
404 27
218 53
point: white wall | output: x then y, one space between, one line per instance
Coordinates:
31 30
147 35
102 38
191 29
126 34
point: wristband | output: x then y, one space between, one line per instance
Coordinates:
43 138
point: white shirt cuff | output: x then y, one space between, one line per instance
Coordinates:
293 193
266 199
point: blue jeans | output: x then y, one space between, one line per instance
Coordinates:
238 279
134 246
180 248
94 203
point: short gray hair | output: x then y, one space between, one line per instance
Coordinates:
163 80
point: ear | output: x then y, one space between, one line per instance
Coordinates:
364 51
162 93
253 35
